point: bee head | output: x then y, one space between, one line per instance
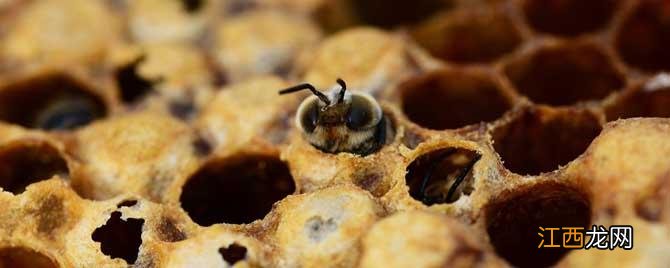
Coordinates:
338 117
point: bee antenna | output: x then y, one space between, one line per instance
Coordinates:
461 177
429 173
304 86
340 97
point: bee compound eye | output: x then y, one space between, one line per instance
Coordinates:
363 113
67 113
308 116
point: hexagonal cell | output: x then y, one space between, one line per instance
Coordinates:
469 36
565 74
540 140
450 99
21 257
24 163
513 220
569 17
392 13
441 176
238 190
651 99
50 102
644 37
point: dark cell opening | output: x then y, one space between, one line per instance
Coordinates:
119 238
392 13
237 190
565 75
50 102
644 37
513 220
452 99
192 6
476 36
132 86
233 253
20 257
127 203
26 162
569 17
442 176
541 140
641 102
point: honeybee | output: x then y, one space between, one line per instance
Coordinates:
341 121
432 193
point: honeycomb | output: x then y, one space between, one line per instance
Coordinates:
149 133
